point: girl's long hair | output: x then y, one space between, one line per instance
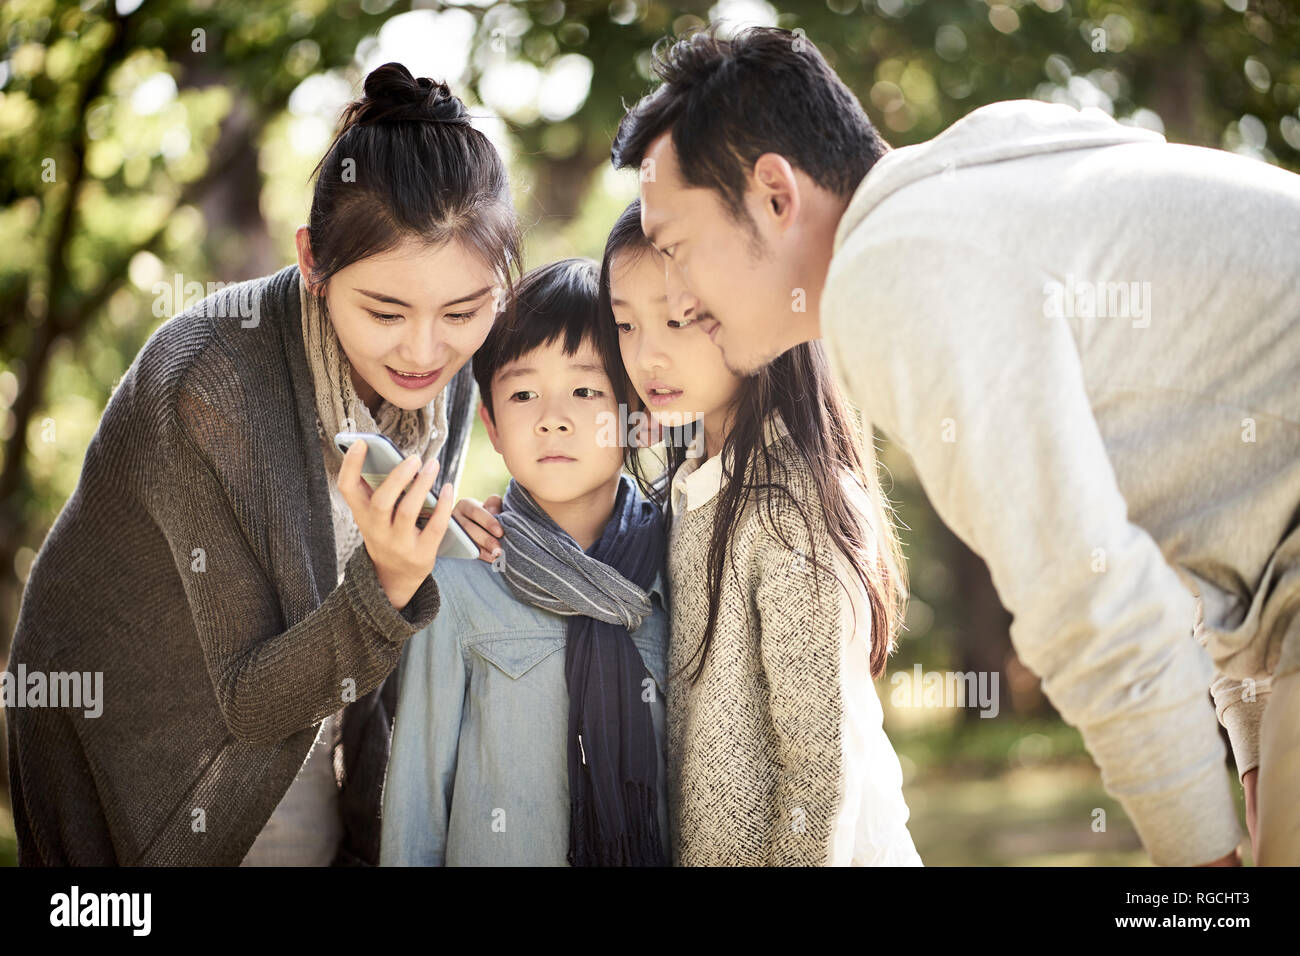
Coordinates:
822 432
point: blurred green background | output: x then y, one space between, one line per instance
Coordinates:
144 140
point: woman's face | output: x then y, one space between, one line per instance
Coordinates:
409 318
673 365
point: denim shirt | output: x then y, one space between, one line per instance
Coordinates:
478 774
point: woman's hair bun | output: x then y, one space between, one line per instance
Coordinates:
393 95
408 163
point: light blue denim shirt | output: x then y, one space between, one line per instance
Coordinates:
478 774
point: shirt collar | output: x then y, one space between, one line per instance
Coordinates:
660 587
698 480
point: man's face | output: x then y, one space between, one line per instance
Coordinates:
548 408
717 271
413 309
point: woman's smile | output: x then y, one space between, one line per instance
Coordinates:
413 381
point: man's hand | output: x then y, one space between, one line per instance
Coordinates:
1249 781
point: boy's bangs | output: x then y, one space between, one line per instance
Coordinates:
556 302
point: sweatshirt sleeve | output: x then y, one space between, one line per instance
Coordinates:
800 624
948 349
270 681
426 740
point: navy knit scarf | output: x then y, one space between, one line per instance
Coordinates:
613 754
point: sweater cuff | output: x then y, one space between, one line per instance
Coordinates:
1167 770
371 602
1242 720
1194 825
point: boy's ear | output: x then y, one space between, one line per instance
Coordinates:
490 425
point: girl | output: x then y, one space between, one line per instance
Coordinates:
786 591
223 566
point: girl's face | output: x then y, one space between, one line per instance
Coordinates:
409 318
673 365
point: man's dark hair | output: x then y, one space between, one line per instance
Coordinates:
554 301
729 101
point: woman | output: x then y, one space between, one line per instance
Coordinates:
223 566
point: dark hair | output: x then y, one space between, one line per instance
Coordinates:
823 433
554 301
407 162
625 239
729 101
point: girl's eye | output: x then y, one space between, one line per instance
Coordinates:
624 327
385 317
680 323
462 316
515 397
595 392
669 251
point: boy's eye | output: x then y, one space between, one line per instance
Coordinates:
385 317
515 397
680 323
595 392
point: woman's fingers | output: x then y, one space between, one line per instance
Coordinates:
431 537
408 509
384 500
354 490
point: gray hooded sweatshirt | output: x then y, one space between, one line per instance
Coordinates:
1088 341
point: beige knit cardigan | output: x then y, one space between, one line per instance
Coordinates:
760 705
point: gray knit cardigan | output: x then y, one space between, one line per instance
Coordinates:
194 567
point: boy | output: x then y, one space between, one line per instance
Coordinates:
530 719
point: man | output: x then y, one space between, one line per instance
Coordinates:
1087 339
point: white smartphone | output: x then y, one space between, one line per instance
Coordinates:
382 456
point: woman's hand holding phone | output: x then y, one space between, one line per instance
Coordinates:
402 553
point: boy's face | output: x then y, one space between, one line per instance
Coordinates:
548 409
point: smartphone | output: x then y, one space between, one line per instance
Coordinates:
382 456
